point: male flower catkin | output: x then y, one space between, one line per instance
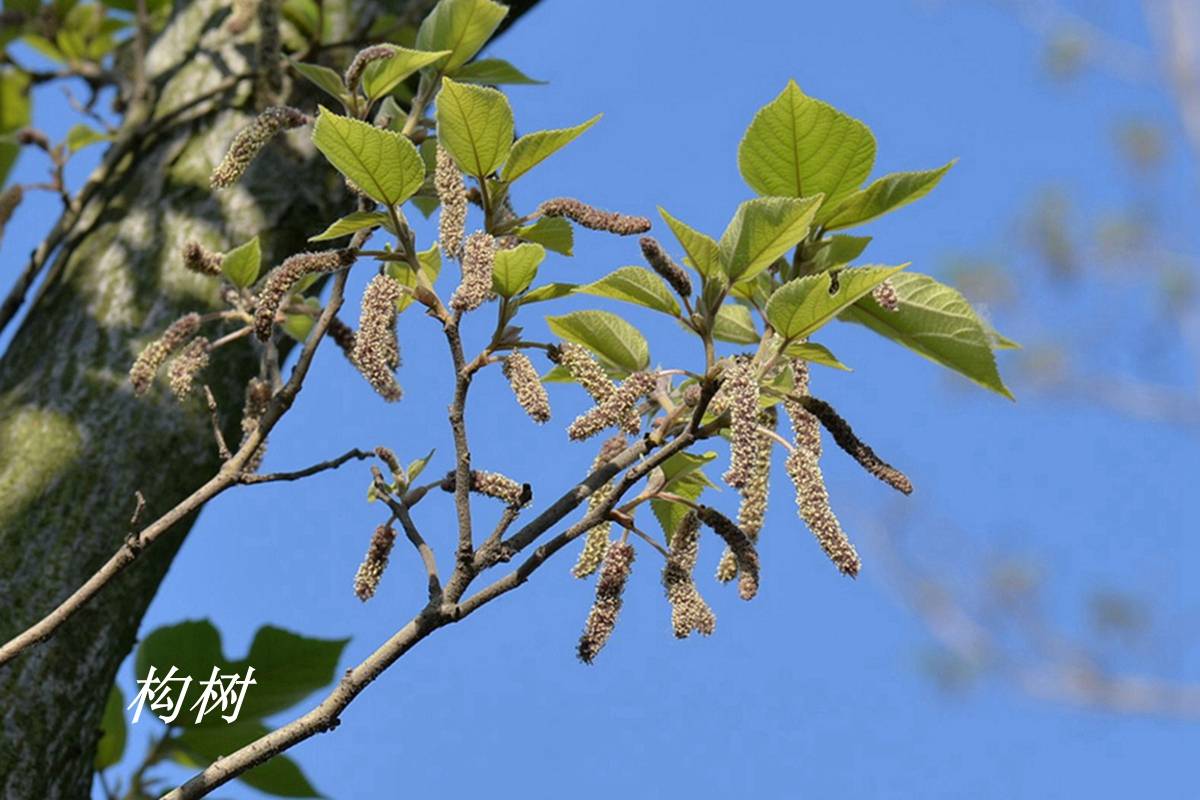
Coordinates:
661 263
376 351
689 612
590 217
187 365
859 450
812 498
501 487
258 397
251 140
479 255
753 507
739 543
601 620
362 59
281 280
885 295
742 388
618 411
146 366
527 387
452 195
586 371
595 543
366 580
199 259
343 336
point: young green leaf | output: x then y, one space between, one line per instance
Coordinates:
800 307
513 270
80 136
762 230
382 163
553 233
242 264
534 148
494 72
416 467
816 354
548 291
352 223
460 26
111 746
384 75
838 251
798 146
475 125
735 324
635 285
431 266
937 322
703 253
325 79
608 336
885 194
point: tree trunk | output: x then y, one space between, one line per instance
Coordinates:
75 444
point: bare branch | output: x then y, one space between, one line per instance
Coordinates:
333 463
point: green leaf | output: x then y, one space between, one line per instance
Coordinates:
681 465
325 79
635 285
352 223
192 647
703 253
382 163
298 326
534 148
762 230
839 251
242 264
684 479
608 336
493 71
515 269
418 466
798 146
384 75
80 136
460 26
937 322
800 307
111 746
475 125
431 265
549 291
735 324
288 667
553 233
15 113
816 354
279 776
886 194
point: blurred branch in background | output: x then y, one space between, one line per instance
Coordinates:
988 612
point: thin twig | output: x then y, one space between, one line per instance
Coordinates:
222 447
333 463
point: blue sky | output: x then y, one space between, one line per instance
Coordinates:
815 688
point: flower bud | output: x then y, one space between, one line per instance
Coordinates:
661 263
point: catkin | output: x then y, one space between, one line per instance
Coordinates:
859 450
527 387
689 612
586 371
199 259
885 295
258 397
501 487
251 140
376 351
362 59
618 411
281 280
366 580
742 388
148 362
602 618
812 498
595 543
593 218
752 509
741 546
661 263
187 365
452 195
479 255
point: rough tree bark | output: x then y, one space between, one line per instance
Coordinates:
75 444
